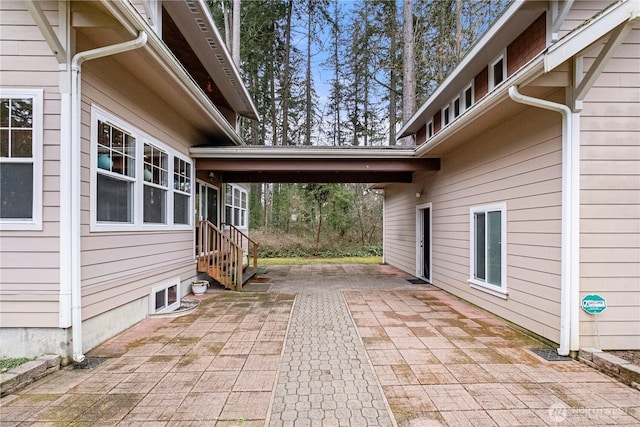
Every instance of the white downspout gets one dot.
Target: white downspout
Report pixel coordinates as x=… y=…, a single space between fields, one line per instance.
x=569 y=286
x=75 y=176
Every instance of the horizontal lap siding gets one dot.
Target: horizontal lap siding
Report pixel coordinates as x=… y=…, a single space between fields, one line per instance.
x=580 y=12
x=400 y=226
x=120 y=267
x=610 y=200
x=29 y=260
x=519 y=163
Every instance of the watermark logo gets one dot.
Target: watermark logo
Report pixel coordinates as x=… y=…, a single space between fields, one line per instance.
x=558 y=412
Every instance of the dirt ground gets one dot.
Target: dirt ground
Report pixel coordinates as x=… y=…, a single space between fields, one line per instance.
x=632 y=356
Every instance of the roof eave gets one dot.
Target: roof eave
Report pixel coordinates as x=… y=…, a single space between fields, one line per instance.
x=531 y=71
x=576 y=41
x=409 y=128
x=131 y=20
x=293 y=152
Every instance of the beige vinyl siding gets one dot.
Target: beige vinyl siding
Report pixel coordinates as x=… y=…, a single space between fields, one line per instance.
x=518 y=162
x=582 y=11
x=400 y=226
x=29 y=260
x=120 y=267
x=610 y=200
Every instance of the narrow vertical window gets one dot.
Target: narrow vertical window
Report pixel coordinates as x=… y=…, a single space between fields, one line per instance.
x=497 y=72
x=20 y=159
x=181 y=191
x=429 y=130
x=488 y=248
x=456 y=107
x=115 y=174
x=156 y=164
x=236 y=202
x=446 y=116
x=468 y=97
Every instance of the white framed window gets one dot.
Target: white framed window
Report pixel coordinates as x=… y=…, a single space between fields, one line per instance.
x=181 y=191
x=235 y=201
x=165 y=297
x=497 y=71
x=115 y=174
x=446 y=115
x=155 y=185
x=457 y=107
x=430 y=129
x=467 y=96
x=488 y=255
x=21 y=124
x=153 y=9
x=131 y=175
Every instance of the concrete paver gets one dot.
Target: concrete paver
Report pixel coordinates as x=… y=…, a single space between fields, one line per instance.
x=325 y=345
x=325 y=377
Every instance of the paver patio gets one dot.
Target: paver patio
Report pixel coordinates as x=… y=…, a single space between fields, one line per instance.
x=325 y=345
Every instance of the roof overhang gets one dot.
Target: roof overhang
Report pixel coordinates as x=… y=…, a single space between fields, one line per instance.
x=544 y=74
x=208 y=46
x=515 y=19
x=156 y=65
x=312 y=164
x=583 y=37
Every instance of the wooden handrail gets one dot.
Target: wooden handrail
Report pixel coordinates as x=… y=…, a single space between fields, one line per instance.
x=219 y=256
x=239 y=238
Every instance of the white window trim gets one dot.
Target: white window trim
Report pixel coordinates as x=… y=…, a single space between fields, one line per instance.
x=460 y=97
x=499 y=291
x=502 y=56
x=153 y=9
x=232 y=187
x=430 y=123
x=163 y=287
x=444 y=121
x=465 y=107
x=453 y=107
x=35 y=223
x=138 y=224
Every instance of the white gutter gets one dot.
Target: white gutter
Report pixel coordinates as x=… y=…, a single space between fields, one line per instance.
x=74 y=176
x=569 y=279
x=294 y=152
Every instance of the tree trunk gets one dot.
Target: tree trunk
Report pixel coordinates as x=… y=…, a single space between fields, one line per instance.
x=235 y=38
x=286 y=84
x=308 y=83
x=409 y=74
x=393 y=46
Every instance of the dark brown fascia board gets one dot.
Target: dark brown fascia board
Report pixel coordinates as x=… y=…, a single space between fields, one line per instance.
x=316 y=177
x=319 y=165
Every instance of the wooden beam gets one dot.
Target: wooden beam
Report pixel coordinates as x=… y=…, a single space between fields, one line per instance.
x=318 y=165
x=302 y=176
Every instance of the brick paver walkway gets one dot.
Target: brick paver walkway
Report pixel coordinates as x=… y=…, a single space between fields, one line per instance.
x=325 y=345
x=325 y=376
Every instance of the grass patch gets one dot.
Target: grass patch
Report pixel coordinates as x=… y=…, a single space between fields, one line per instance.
x=338 y=260
x=7 y=364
